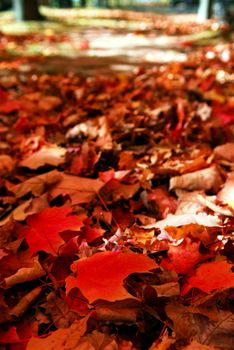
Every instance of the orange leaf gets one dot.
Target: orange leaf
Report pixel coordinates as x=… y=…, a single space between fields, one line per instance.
x=43 y=229
x=101 y=276
x=61 y=339
x=210 y=276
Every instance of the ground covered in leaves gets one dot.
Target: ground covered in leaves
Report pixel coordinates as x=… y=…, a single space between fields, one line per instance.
x=116 y=206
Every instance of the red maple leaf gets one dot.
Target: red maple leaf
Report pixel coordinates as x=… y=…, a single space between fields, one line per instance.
x=44 y=228
x=183 y=257
x=101 y=276
x=9 y=336
x=210 y=276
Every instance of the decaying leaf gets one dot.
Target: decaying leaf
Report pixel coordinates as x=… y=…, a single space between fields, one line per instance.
x=62 y=339
x=25 y=274
x=47 y=155
x=192 y=325
x=124 y=311
x=186 y=219
x=208 y=179
x=37 y=184
x=19 y=309
x=79 y=189
x=59 y=311
x=97 y=341
x=226 y=195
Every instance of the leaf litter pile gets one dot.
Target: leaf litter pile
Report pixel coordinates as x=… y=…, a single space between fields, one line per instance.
x=117 y=204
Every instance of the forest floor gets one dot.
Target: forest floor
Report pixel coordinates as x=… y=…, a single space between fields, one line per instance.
x=117 y=185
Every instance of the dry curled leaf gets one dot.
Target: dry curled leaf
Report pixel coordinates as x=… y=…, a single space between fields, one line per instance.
x=208 y=179
x=47 y=155
x=25 y=274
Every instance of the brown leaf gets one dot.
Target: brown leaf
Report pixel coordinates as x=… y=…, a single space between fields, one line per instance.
x=37 y=184
x=47 y=155
x=25 y=302
x=119 y=311
x=189 y=325
x=62 y=339
x=167 y=289
x=97 y=341
x=206 y=179
x=225 y=151
x=59 y=311
x=80 y=189
x=25 y=274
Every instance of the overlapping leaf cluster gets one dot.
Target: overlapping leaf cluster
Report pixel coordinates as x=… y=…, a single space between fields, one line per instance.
x=117 y=202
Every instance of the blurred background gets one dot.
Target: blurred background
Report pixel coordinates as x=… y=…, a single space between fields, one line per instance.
x=219 y=8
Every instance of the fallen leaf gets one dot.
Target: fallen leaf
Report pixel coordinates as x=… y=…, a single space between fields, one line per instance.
x=185 y=219
x=114 y=267
x=124 y=311
x=197 y=346
x=9 y=336
x=25 y=274
x=115 y=190
x=163 y=343
x=225 y=151
x=47 y=103
x=47 y=155
x=59 y=311
x=183 y=257
x=80 y=189
x=62 y=339
x=36 y=184
x=226 y=195
x=210 y=276
x=165 y=203
x=44 y=228
x=188 y=202
x=10 y=106
x=206 y=179
x=190 y=324
x=6 y=164
x=97 y=341
x=25 y=302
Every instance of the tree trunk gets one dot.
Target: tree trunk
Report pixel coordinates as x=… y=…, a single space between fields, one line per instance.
x=83 y=3
x=102 y=3
x=27 y=10
x=204 y=10
x=65 y=3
